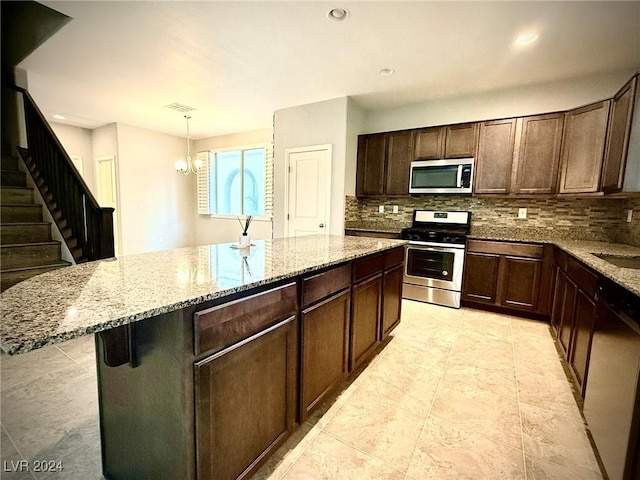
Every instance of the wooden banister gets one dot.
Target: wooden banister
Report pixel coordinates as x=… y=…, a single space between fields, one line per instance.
x=72 y=205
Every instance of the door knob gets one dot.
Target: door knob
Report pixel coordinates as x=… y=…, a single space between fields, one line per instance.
x=321 y=225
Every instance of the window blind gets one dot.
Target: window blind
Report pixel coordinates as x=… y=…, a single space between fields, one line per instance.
x=268 y=176
x=203 y=183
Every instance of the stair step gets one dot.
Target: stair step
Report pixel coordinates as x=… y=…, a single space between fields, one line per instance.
x=9 y=278
x=9 y=163
x=9 y=178
x=29 y=255
x=20 y=213
x=17 y=233
x=13 y=195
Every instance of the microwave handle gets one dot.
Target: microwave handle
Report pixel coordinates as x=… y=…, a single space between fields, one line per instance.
x=459 y=185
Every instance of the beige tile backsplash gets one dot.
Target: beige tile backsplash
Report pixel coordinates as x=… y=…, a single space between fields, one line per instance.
x=599 y=219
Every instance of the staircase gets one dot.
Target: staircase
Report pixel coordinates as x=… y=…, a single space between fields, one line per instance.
x=26 y=247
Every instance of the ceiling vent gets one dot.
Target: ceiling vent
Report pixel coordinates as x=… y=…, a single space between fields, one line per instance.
x=178 y=107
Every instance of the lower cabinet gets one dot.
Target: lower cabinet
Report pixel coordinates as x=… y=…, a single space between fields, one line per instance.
x=365 y=319
x=324 y=349
x=391 y=299
x=505 y=275
x=574 y=312
x=245 y=402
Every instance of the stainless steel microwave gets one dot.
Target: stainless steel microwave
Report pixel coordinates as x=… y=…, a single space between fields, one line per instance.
x=441 y=176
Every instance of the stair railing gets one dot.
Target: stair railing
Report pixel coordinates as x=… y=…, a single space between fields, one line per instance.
x=90 y=224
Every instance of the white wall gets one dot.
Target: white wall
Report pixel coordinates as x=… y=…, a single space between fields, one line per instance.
x=209 y=229
x=156 y=204
x=307 y=125
x=78 y=141
x=527 y=100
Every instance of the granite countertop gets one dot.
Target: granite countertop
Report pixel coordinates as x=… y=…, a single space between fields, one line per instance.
x=82 y=299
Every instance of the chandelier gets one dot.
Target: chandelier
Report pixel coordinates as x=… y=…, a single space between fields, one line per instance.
x=185 y=167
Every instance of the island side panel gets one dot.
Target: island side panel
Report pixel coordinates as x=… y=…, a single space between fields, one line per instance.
x=146 y=412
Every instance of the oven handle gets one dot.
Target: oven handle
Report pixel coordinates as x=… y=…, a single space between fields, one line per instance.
x=459 y=176
x=455 y=251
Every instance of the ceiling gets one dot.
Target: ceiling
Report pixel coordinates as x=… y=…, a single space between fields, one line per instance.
x=237 y=62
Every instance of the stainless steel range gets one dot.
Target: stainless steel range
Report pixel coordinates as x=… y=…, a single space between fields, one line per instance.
x=434 y=257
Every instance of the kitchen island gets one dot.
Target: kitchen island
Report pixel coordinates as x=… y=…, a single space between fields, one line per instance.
x=209 y=357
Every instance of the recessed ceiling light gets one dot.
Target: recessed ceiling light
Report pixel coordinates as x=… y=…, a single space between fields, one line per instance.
x=59 y=117
x=338 y=14
x=386 y=72
x=526 y=38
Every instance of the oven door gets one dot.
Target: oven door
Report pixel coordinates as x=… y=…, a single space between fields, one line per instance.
x=434 y=266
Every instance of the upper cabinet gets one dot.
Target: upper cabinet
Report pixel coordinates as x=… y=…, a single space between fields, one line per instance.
x=618 y=140
x=583 y=143
x=452 y=141
x=383 y=163
x=538 y=154
x=495 y=156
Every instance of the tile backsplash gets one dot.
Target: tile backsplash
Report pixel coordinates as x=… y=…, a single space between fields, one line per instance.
x=599 y=219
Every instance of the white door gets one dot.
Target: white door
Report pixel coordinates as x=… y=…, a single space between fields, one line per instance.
x=308 y=190
x=107 y=196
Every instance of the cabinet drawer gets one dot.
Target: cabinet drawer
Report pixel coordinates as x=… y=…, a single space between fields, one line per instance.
x=368 y=266
x=324 y=284
x=584 y=277
x=226 y=324
x=393 y=257
x=530 y=250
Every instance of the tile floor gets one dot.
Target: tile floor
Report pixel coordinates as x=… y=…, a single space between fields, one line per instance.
x=456 y=394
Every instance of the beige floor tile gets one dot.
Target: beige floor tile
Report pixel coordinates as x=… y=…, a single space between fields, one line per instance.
x=548 y=392
x=328 y=458
x=26 y=367
x=501 y=381
x=555 y=438
x=448 y=451
x=495 y=327
x=538 y=469
x=480 y=411
x=288 y=453
x=482 y=352
x=378 y=426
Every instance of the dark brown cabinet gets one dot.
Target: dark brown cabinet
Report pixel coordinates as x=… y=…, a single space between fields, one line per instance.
x=248 y=387
x=504 y=274
x=495 y=156
x=615 y=158
x=372 y=155
x=324 y=342
x=450 y=141
x=538 y=154
x=583 y=144
x=383 y=166
x=574 y=312
x=366 y=303
x=391 y=291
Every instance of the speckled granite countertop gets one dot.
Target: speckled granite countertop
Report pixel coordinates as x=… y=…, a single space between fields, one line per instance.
x=71 y=302
x=583 y=250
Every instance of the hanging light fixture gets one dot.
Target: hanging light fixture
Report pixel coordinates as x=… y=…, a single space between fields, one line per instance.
x=186 y=167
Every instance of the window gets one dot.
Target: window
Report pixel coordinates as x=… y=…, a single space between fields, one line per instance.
x=236 y=181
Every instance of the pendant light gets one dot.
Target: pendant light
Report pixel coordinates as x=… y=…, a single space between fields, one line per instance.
x=186 y=167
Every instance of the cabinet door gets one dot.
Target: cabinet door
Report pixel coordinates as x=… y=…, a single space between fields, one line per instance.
x=539 y=154
x=615 y=157
x=520 y=282
x=566 y=319
x=480 y=277
x=365 y=319
x=391 y=300
x=372 y=154
x=560 y=286
x=495 y=156
x=325 y=334
x=428 y=143
x=583 y=145
x=460 y=140
x=585 y=317
x=245 y=402
x=400 y=152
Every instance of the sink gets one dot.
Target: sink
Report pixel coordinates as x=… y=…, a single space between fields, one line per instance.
x=620 y=261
